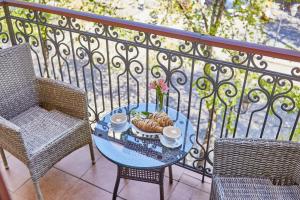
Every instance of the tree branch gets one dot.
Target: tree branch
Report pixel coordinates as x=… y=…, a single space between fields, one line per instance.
x=205 y=21
x=187 y=17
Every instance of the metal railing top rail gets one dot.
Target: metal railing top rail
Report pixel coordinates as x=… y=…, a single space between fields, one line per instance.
x=163 y=31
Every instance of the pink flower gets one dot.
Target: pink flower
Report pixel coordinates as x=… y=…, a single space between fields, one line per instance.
x=165 y=88
x=152 y=85
x=159 y=84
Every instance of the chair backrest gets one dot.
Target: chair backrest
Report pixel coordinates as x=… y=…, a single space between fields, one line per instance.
x=276 y=160
x=17 y=81
x=297 y=171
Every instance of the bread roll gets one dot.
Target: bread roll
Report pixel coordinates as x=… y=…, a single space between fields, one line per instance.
x=147 y=125
x=161 y=118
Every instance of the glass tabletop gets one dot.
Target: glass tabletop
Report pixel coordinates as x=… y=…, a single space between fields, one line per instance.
x=126 y=149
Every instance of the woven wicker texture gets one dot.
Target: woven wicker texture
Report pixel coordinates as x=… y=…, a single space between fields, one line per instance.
x=17 y=88
x=297 y=173
x=39 y=136
x=151 y=176
x=12 y=140
x=258 y=160
x=63 y=97
x=40 y=127
x=252 y=188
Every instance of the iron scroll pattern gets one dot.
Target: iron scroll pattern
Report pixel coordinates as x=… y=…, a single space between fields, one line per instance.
x=4 y=37
x=116 y=65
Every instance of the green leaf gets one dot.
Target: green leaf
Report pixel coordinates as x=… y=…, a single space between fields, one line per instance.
x=146 y=114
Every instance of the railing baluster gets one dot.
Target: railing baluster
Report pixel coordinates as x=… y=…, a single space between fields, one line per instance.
x=147 y=35
x=42 y=43
x=9 y=25
x=168 y=79
x=108 y=67
x=58 y=53
x=191 y=80
x=89 y=40
x=73 y=53
x=127 y=72
x=268 y=108
x=242 y=95
x=295 y=125
x=210 y=124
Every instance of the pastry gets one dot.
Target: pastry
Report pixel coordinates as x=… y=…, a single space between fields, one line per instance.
x=147 y=125
x=161 y=118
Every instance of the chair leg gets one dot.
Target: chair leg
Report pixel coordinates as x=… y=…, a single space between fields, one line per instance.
x=39 y=195
x=4 y=158
x=170 y=174
x=92 y=153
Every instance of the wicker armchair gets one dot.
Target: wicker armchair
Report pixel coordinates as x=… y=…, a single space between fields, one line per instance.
x=255 y=169
x=41 y=120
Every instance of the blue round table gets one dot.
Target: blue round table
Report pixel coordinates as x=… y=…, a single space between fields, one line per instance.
x=138 y=158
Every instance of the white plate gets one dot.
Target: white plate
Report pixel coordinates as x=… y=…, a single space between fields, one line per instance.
x=120 y=129
x=163 y=141
x=144 y=134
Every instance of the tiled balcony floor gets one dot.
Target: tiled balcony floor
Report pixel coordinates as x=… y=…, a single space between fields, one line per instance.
x=75 y=178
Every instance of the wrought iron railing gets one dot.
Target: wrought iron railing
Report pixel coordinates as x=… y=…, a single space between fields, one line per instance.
x=226 y=88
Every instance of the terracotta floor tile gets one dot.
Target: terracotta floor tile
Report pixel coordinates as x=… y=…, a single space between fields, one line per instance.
x=16 y=175
x=194 y=182
x=200 y=195
x=78 y=162
x=197 y=175
x=83 y=190
x=136 y=190
x=177 y=172
x=182 y=192
x=185 y=192
x=16 y=197
x=103 y=174
x=208 y=180
x=53 y=185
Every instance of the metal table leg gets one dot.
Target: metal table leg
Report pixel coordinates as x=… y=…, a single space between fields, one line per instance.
x=161 y=190
x=170 y=175
x=115 y=194
x=161 y=184
x=155 y=176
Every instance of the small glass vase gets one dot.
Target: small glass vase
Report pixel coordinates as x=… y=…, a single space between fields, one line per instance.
x=160 y=102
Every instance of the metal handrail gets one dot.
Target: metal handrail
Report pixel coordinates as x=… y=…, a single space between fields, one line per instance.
x=241 y=46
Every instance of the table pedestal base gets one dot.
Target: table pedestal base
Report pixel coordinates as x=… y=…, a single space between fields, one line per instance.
x=155 y=176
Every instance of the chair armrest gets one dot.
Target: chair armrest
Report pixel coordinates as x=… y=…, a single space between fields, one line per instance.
x=11 y=139
x=297 y=173
x=63 y=97
x=257 y=158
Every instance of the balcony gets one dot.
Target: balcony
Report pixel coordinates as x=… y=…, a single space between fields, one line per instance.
x=226 y=88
